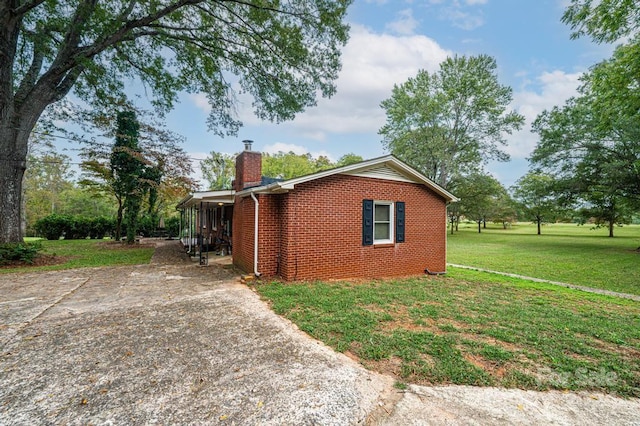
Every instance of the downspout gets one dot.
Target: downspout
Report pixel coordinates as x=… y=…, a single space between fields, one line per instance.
x=255 y=236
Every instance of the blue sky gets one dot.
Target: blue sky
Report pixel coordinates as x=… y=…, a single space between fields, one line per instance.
x=390 y=41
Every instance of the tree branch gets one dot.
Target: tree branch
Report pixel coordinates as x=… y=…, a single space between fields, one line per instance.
x=26 y=7
x=61 y=90
x=30 y=78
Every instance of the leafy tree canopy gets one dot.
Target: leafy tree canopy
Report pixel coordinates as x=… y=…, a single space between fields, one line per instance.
x=288 y=165
x=603 y=20
x=536 y=194
x=218 y=170
x=282 y=53
x=450 y=122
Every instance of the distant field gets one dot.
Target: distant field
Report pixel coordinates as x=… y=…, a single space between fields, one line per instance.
x=564 y=252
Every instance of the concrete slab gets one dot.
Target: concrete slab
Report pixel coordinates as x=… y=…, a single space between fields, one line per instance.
x=175 y=343
x=153 y=345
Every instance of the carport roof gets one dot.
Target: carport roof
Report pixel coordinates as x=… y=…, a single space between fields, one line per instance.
x=223 y=197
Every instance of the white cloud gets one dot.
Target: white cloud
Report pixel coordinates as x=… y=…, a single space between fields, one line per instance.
x=462 y=19
x=404 y=24
x=285 y=147
x=553 y=89
x=371 y=65
x=197 y=170
x=200 y=101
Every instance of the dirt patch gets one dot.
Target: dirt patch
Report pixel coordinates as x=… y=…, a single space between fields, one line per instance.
x=122 y=245
x=40 y=260
x=493 y=368
x=391 y=366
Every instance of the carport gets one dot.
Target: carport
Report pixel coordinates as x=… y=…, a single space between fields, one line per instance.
x=206 y=219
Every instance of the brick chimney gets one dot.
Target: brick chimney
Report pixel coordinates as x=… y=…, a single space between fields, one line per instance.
x=248 y=168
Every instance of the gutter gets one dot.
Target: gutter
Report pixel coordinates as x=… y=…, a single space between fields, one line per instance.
x=255 y=236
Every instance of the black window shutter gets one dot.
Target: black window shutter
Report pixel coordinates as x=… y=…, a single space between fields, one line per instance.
x=367 y=222
x=399 y=221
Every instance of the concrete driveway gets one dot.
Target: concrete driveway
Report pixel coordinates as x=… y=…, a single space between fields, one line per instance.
x=180 y=344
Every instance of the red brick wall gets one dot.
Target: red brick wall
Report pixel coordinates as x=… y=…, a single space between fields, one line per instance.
x=268 y=233
x=321 y=231
x=242 y=233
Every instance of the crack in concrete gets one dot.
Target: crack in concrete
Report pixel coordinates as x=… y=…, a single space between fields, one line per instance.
x=30 y=321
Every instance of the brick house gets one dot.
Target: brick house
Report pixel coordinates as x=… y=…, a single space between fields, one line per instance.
x=377 y=218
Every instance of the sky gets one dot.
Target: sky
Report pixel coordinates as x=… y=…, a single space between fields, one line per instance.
x=390 y=41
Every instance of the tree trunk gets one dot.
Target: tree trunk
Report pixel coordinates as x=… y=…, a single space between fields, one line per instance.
x=611 y=225
x=13 y=156
x=480 y=227
x=119 y=221
x=538 y=222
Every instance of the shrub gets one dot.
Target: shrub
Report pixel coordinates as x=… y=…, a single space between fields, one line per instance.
x=99 y=227
x=172 y=226
x=146 y=226
x=79 y=228
x=54 y=226
x=24 y=252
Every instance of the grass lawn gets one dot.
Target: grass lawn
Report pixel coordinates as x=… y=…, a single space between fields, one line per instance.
x=564 y=252
x=473 y=328
x=70 y=254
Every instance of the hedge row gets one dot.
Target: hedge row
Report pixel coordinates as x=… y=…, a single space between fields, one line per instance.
x=55 y=226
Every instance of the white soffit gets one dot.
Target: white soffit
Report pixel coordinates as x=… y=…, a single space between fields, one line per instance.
x=383 y=171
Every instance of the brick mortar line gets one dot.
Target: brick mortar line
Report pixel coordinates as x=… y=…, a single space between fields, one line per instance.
x=558 y=283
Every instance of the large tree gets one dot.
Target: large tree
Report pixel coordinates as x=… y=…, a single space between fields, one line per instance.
x=288 y=165
x=450 y=122
x=218 y=170
x=536 y=194
x=167 y=165
x=590 y=145
x=129 y=174
x=282 y=52
x=481 y=197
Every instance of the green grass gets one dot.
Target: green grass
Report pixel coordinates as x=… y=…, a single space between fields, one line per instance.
x=564 y=252
x=473 y=328
x=88 y=253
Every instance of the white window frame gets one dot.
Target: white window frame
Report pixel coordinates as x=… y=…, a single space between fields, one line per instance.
x=389 y=240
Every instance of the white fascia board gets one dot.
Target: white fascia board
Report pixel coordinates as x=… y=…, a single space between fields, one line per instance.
x=225 y=196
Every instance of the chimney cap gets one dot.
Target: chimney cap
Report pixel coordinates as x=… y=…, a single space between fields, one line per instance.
x=247 y=144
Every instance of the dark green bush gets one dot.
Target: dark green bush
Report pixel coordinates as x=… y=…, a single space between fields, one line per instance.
x=79 y=228
x=25 y=252
x=54 y=226
x=101 y=227
x=172 y=226
x=146 y=226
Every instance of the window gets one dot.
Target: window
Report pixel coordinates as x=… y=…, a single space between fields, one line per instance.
x=382 y=222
